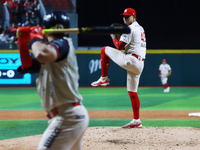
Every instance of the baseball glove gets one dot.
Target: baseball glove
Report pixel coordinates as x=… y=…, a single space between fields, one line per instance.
x=168 y=75
x=117 y=36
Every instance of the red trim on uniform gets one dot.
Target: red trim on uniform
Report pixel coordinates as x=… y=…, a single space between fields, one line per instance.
x=137 y=56
x=55 y=110
x=56 y=50
x=166 y=85
x=159 y=72
x=76 y=104
x=26 y=59
x=105 y=62
x=119 y=44
x=135 y=101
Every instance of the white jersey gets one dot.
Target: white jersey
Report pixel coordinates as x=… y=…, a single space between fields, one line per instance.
x=57 y=83
x=136 y=40
x=164 y=69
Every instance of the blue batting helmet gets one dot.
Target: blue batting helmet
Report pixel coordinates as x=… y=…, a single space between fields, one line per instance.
x=56 y=19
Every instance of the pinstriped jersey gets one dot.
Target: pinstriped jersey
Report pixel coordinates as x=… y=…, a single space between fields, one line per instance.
x=57 y=82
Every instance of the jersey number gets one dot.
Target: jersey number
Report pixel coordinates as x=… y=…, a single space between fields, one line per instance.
x=143 y=38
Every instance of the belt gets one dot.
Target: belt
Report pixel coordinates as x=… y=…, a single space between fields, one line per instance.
x=54 y=111
x=139 y=58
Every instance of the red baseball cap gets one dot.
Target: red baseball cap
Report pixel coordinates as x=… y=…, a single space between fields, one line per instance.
x=164 y=60
x=129 y=12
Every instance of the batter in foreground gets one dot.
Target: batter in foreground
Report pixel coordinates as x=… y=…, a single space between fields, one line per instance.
x=57 y=83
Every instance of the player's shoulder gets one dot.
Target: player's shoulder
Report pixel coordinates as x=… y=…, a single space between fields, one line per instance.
x=136 y=26
x=161 y=64
x=168 y=65
x=59 y=42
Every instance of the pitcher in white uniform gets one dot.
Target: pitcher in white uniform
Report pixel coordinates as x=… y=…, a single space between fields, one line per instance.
x=164 y=73
x=57 y=84
x=131 y=60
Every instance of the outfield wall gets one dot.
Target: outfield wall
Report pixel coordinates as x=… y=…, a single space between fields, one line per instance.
x=185 y=66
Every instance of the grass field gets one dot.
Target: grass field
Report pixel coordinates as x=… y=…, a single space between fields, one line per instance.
x=100 y=99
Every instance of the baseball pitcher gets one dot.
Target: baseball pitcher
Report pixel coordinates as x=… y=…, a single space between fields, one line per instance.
x=132 y=60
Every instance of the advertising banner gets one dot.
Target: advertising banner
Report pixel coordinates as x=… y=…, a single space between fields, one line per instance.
x=185 y=69
x=9 y=62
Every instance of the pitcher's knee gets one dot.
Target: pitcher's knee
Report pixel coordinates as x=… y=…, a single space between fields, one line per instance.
x=103 y=49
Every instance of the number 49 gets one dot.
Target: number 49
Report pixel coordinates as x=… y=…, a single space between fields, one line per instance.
x=143 y=38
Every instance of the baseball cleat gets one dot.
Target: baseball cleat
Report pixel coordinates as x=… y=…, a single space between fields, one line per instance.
x=166 y=90
x=135 y=123
x=103 y=81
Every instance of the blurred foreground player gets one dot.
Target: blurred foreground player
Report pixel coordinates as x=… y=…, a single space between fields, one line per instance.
x=57 y=83
x=165 y=72
x=131 y=60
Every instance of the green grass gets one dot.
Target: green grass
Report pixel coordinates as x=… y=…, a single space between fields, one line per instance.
x=100 y=99
x=22 y=128
x=19 y=99
x=109 y=99
x=150 y=99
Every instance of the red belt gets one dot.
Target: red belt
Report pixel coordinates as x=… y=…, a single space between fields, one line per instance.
x=139 y=58
x=55 y=111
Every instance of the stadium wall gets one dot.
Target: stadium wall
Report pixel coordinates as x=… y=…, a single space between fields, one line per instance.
x=184 y=63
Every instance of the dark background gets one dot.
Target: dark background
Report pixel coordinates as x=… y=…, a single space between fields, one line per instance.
x=172 y=24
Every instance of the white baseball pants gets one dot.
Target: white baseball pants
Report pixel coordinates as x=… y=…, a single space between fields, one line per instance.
x=65 y=131
x=163 y=79
x=130 y=63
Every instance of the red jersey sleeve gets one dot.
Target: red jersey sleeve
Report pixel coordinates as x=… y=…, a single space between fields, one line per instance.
x=119 y=44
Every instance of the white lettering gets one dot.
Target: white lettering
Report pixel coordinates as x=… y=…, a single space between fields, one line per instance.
x=94 y=65
x=10 y=73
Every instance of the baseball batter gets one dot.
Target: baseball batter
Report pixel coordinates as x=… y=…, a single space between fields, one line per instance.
x=131 y=60
x=164 y=72
x=57 y=83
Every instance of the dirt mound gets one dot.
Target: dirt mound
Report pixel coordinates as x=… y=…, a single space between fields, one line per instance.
x=117 y=138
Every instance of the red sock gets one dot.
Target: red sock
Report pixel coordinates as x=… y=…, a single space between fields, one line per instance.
x=105 y=61
x=165 y=85
x=26 y=59
x=135 y=101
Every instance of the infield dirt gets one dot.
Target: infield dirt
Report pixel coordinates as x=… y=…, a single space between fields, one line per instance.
x=116 y=138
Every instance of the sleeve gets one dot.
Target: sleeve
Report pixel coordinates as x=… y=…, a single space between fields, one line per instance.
x=62 y=48
x=159 y=68
x=34 y=68
x=169 y=68
x=126 y=38
x=119 y=44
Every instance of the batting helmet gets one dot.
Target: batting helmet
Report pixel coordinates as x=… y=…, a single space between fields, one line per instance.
x=164 y=60
x=56 y=19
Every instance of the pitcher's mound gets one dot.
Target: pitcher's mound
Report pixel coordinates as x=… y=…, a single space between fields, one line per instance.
x=117 y=138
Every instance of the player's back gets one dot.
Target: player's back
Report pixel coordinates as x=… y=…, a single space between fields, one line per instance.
x=58 y=81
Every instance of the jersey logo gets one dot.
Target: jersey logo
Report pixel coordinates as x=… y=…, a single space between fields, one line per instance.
x=143 y=37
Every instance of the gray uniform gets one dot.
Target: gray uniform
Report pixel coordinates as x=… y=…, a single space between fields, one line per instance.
x=57 y=86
